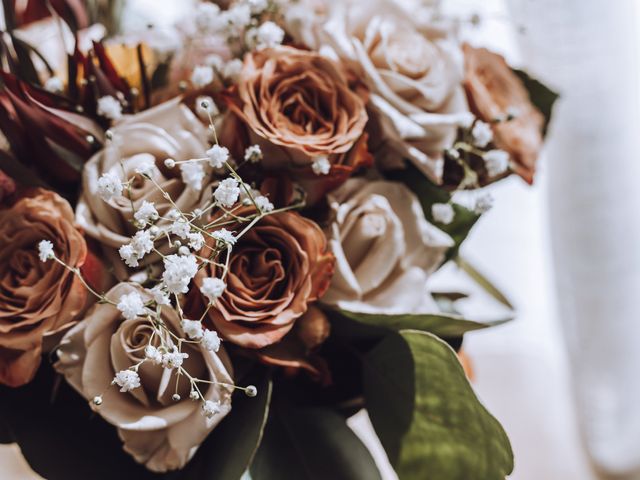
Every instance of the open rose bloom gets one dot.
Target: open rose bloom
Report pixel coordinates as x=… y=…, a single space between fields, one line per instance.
x=235 y=238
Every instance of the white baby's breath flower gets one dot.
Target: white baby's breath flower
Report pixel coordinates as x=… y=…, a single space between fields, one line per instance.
x=131 y=305
x=146 y=166
x=217 y=156
x=109 y=186
x=232 y=69
x=45 y=250
x=443 y=213
x=192 y=329
x=227 y=192
x=263 y=203
x=109 y=107
x=127 y=380
x=253 y=154
x=196 y=241
x=215 y=61
x=173 y=359
x=54 y=85
x=205 y=106
x=483 y=204
x=321 y=165
x=178 y=272
x=239 y=15
x=267 y=35
x=225 y=236
x=173 y=214
x=142 y=243
x=192 y=174
x=482 y=134
x=129 y=255
x=207 y=17
x=147 y=213
x=159 y=295
x=210 y=409
x=212 y=288
x=257 y=6
x=153 y=354
x=181 y=228
x=496 y=161
x=211 y=340
x=202 y=75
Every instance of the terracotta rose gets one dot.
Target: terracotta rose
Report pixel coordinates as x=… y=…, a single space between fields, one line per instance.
x=276 y=270
x=494 y=91
x=299 y=107
x=36 y=298
x=157 y=431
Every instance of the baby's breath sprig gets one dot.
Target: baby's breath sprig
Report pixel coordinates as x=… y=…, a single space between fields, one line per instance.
x=185 y=242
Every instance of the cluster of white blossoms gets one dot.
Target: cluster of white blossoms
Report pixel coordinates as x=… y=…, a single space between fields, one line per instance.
x=245 y=25
x=185 y=242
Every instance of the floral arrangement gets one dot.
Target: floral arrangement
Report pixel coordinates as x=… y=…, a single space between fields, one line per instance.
x=217 y=241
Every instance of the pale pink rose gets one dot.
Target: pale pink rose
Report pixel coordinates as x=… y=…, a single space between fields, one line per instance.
x=156 y=431
x=169 y=130
x=414 y=74
x=385 y=249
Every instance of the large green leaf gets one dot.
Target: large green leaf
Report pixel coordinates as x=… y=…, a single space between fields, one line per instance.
x=429 y=193
x=427 y=415
x=441 y=325
x=310 y=443
x=541 y=96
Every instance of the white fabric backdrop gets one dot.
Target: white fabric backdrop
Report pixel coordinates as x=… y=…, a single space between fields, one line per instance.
x=589 y=49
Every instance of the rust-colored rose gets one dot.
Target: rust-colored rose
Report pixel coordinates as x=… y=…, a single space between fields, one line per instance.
x=300 y=107
x=36 y=298
x=494 y=92
x=276 y=270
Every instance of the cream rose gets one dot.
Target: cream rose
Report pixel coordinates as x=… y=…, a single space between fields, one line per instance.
x=157 y=431
x=169 y=130
x=415 y=77
x=385 y=249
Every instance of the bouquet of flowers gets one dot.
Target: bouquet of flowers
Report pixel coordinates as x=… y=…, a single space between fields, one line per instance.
x=217 y=240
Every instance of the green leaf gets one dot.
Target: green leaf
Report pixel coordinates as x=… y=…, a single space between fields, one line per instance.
x=441 y=325
x=429 y=193
x=310 y=443
x=541 y=96
x=228 y=451
x=427 y=415
x=483 y=282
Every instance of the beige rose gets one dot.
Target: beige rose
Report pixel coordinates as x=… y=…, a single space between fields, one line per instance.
x=414 y=74
x=157 y=431
x=169 y=130
x=36 y=298
x=385 y=249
